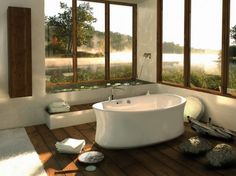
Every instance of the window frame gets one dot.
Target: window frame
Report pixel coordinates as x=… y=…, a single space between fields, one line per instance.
x=107 y=44
x=187 y=48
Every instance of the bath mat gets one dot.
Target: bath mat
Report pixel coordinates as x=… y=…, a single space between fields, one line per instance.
x=17 y=154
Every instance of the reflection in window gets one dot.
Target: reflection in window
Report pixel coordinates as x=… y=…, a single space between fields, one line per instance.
x=206 y=32
x=121 y=41
x=91 y=41
x=232 y=49
x=58 y=41
x=173 y=41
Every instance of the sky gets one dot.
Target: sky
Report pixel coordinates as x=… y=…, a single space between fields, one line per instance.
x=205 y=23
x=120 y=16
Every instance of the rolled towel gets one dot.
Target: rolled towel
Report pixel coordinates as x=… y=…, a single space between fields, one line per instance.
x=58 y=103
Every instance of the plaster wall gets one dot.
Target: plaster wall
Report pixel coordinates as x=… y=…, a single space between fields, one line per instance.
x=19 y=112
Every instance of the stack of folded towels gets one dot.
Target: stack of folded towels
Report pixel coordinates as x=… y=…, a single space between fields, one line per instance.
x=58 y=106
x=70 y=145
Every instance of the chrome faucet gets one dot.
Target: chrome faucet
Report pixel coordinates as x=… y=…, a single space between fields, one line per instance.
x=111 y=97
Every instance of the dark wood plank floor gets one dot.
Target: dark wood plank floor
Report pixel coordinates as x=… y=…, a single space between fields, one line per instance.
x=162 y=159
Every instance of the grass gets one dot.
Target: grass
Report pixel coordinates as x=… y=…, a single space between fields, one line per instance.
x=199 y=78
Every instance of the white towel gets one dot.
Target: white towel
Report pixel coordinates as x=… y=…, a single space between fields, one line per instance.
x=58 y=104
x=60 y=109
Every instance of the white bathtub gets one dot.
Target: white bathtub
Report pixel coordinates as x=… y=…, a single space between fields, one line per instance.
x=139 y=121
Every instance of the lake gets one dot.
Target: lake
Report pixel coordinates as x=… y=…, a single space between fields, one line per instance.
x=209 y=62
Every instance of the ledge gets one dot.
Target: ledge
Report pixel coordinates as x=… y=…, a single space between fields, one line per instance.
x=78 y=114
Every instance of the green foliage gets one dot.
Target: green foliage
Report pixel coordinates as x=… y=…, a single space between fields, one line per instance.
x=85 y=19
x=89 y=74
x=120 y=42
x=172 y=48
x=232 y=76
x=174 y=75
x=232 y=53
x=233 y=33
x=200 y=79
x=121 y=71
x=59 y=27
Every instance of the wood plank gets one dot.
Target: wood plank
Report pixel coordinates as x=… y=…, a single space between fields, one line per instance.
x=89 y=132
x=50 y=164
x=152 y=164
x=176 y=166
x=74 y=133
x=107 y=166
x=63 y=160
x=161 y=160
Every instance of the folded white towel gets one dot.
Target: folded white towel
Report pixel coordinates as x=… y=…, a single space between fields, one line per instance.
x=70 y=145
x=59 y=103
x=61 y=109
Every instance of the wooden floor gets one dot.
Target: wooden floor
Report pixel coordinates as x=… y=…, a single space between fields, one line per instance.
x=160 y=160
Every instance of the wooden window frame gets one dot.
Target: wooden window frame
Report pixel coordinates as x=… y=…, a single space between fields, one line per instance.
x=107 y=44
x=187 y=48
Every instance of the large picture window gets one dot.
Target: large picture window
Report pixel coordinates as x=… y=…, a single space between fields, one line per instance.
x=232 y=50
x=87 y=41
x=208 y=42
x=173 y=50
x=206 y=32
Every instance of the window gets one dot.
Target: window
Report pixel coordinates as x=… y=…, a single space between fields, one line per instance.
x=232 y=50
x=121 y=41
x=172 y=46
x=208 y=42
x=206 y=31
x=58 y=42
x=88 y=41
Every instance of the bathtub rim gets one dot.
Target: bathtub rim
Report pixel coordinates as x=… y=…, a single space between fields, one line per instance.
x=183 y=101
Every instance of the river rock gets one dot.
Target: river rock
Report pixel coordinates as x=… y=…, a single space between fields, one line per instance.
x=221 y=155
x=195 y=145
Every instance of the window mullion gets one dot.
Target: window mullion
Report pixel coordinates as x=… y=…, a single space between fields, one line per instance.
x=225 y=46
x=74 y=37
x=187 y=40
x=134 y=47
x=159 y=40
x=107 y=41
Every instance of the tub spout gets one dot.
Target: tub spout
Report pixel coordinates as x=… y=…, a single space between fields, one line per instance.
x=111 y=97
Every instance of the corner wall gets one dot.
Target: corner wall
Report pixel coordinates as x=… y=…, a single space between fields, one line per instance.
x=221 y=109
x=20 y=112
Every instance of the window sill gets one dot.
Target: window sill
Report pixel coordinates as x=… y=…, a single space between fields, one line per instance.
x=214 y=92
x=70 y=87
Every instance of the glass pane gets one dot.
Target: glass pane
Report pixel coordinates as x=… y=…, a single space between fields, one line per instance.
x=91 y=41
x=232 y=50
x=121 y=20
x=173 y=57
x=58 y=41
x=206 y=32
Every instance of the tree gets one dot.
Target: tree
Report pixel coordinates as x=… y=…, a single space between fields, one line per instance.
x=60 y=27
x=232 y=48
x=233 y=33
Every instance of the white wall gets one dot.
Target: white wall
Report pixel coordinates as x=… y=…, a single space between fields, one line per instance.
x=27 y=111
x=147 y=39
x=30 y=110
x=221 y=109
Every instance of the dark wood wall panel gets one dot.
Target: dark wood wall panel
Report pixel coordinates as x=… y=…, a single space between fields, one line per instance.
x=19 y=52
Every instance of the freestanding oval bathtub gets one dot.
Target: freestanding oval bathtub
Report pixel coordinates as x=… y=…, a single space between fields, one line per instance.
x=139 y=121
